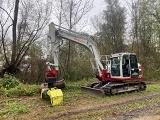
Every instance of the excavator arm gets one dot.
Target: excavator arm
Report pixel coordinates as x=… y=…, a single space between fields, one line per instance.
x=55 y=38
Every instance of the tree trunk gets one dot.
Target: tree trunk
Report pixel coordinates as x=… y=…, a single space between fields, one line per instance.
x=69 y=44
x=12 y=67
x=14 y=36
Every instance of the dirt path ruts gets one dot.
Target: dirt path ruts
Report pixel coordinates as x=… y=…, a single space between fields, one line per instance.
x=151 y=112
x=101 y=106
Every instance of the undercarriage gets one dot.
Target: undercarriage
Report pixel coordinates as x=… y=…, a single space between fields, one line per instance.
x=102 y=89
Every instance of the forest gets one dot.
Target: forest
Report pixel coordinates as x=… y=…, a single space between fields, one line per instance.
x=24 y=27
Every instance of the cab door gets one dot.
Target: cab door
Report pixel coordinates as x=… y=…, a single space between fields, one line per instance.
x=134 y=71
x=115 y=67
x=126 y=65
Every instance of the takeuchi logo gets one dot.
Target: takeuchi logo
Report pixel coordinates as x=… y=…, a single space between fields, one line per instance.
x=79 y=40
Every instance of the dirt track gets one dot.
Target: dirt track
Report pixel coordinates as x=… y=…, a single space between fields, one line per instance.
x=148 y=112
x=132 y=106
x=151 y=112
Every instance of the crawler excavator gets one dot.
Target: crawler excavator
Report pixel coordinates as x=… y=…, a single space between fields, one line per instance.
x=117 y=73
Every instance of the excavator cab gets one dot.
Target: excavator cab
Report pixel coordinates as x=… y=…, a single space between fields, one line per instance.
x=123 y=74
x=124 y=65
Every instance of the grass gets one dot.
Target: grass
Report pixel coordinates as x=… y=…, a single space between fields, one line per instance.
x=72 y=89
x=153 y=87
x=9 y=108
x=73 y=96
x=23 y=99
x=15 y=107
x=127 y=107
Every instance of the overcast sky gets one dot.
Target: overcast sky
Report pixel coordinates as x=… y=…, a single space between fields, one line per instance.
x=97 y=10
x=98 y=7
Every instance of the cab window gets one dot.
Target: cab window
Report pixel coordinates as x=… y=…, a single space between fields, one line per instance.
x=133 y=60
x=115 y=66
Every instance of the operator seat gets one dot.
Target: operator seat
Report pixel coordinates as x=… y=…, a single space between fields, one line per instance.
x=126 y=68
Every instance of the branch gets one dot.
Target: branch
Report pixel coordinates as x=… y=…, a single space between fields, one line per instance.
x=155 y=16
x=7 y=30
x=65 y=16
x=20 y=60
x=3 y=44
x=7 y=18
x=77 y=9
x=84 y=10
x=35 y=29
x=30 y=40
x=6 y=13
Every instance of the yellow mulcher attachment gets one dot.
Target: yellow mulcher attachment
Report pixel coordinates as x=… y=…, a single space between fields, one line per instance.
x=55 y=95
x=50 y=91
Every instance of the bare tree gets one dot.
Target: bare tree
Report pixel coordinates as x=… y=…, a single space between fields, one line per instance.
x=70 y=13
x=28 y=23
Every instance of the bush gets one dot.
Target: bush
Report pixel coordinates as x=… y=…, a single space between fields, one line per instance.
x=9 y=82
x=11 y=86
x=23 y=90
